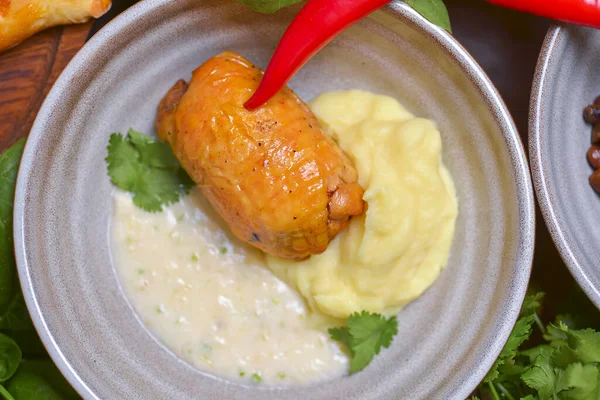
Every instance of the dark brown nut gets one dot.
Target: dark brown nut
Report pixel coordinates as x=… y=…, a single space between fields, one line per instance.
x=595 y=181
x=597 y=101
x=593 y=156
x=596 y=134
x=592 y=113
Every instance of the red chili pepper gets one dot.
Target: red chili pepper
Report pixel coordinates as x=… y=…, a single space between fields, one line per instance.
x=314 y=26
x=582 y=12
x=321 y=20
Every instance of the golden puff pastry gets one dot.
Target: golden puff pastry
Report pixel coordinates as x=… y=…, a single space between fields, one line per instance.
x=20 y=19
x=279 y=182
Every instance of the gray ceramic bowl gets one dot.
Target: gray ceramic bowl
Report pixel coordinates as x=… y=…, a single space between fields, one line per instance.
x=567 y=79
x=447 y=339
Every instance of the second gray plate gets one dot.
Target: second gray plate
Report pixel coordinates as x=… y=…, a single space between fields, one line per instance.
x=566 y=81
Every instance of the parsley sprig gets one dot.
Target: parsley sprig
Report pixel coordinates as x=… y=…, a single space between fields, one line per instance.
x=148 y=169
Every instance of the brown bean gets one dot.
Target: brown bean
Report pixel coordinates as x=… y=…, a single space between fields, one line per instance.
x=597 y=101
x=595 y=181
x=593 y=156
x=592 y=113
x=596 y=134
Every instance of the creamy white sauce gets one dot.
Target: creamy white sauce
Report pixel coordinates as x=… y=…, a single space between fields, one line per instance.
x=209 y=298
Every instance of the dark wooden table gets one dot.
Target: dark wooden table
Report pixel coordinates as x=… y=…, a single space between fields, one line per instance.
x=505 y=43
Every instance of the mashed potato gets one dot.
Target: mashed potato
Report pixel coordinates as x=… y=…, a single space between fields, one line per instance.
x=389 y=256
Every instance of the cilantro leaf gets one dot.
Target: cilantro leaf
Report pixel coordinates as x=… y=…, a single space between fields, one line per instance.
x=147 y=168
x=543 y=377
x=433 y=10
x=574 y=346
x=531 y=304
x=566 y=367
x=268 y=6
x=365 y=335
x=153 y=153
x=369 y=332
x=583 y=381
x=519 y=334
x=585 y=344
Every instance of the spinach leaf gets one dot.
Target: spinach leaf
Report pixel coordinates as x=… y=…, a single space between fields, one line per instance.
x=29 y=342
x=433 y=10
x=4 y=394
x=268 y=6
x=40 y=380
x=10 y=357
x=9 y=164
x=29 y=386
x=15 y=316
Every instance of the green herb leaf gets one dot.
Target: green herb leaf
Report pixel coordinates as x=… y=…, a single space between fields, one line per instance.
x=519 y=334
x=543 y=377
x=147 y=168
x=268 y=6
x=10 y=357
x=365 y=335
x=29 y=342
x=369 y=332
x=153 y=153
x=566 y=367
x=342 y=335
x=433 y=10
x=15 y=316
x=9 y=165
x=584 y=343
x=583 y=381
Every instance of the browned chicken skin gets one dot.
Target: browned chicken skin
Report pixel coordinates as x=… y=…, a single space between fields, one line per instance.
x=279 y=182
x=20 y=19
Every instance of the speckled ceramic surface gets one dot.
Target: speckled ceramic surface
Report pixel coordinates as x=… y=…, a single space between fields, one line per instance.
x=447 y=339
x=567 y=79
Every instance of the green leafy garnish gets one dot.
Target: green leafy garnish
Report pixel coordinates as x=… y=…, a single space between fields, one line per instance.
x=364 y=337
x=9 y=164
x=565 y=367
x=256 y=377
x=147 y=168
x=434 y=11
x=520 y=333
x=26 y=372
x=268 y=6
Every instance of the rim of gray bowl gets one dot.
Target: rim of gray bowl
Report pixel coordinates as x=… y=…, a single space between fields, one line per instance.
x=397 y=8
x=537 y=168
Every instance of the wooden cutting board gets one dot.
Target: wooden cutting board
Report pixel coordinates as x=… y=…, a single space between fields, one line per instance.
x=27 y=73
